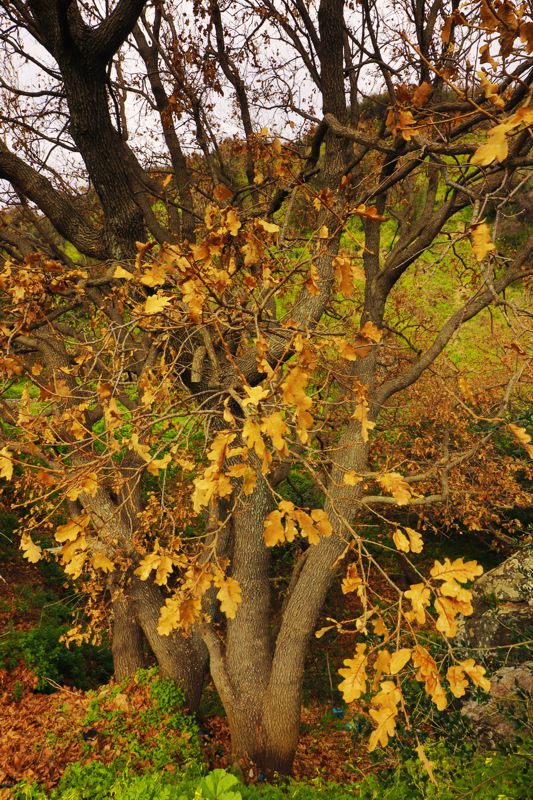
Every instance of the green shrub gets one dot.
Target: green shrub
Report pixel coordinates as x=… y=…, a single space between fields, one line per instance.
x=49 y=659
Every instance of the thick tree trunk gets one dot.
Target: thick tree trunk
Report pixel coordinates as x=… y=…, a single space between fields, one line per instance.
x=127 y=644
x=182 y=658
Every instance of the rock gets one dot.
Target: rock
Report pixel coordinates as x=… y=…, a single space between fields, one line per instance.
x=503 y=609
x=507 y=712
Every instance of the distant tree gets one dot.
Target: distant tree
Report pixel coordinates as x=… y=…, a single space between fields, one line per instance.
x=196 y=305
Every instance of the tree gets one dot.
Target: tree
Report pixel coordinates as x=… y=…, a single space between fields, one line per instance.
x=198 y=326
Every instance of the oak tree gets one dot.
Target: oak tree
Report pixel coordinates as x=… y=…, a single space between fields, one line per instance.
x=224 y=232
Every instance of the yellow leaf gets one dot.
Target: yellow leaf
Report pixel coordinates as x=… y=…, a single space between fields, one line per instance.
x=476 y=673
x=387 y=700
x=274 y=532
x=419 y=595
x=86 y=483
x=457 y=570
x=251 y=433
x=347 y=350
x=448 y=608
x=351 y=478
x=232 y=221
x=30 y=550
x=354 y=674
x=6 y=464
x=101 y=561
x=164 y=568
x=155 y=465
x=427 y=764
x=352 y=582
x=361 y=414
x=394 y=483
x=495 y=148
x=428 y=672
x=306 y=527
x=401 y=541
x=269 y=227
x=482 y=244
x=147 y=564
x=75 y=565
x=456 y=679
x=323 y=232
x=229 y=594
x=155 y=276
x=156 y=303
x=372 y=332
x=385 y=719
x=399 y=659
x=415 y=540
x=68 y=532
x=321 y=519
x=274 y=426
x=120 y=272
x=254 y=395
x=321 y=631
x=522 y=436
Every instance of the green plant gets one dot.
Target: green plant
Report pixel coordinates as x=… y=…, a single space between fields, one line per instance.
x=218 y=785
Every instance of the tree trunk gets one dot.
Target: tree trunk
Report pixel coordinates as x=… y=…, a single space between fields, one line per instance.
x=127 y=644
x=182 y=658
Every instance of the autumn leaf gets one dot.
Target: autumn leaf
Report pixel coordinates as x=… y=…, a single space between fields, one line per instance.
x=522 y=437
x=120 y=272
x=154 y=276
x=222 y=193
x=101 y=561
x=429 y=674
x=269 y=227
x=69 y=531
x=387 y=700
x=394 y=483
x=275 y=428
x=251 y=433
x=482 y=244
x=351 y=478
x=415 y=540
x=427 y=764
x=401 y=541
x=496 y=147
x=419 y=595
x=476 y=673
x=274 y=532
x=361 y=414
x=422 y=94
x=457 y=570
x=156 y=303
x=229 y=594
x=352 y=582
x=233 y=222
x=147 y=564
x=398 y=660
x=354 y=674
x=163 y=570
x=30 y=551
x=254 y=395
x=321 y=520
x=456 y=679
x=6 y=464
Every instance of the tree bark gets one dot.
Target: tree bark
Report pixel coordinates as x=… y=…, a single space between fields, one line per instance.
x=127 y=643
x=182 y=658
